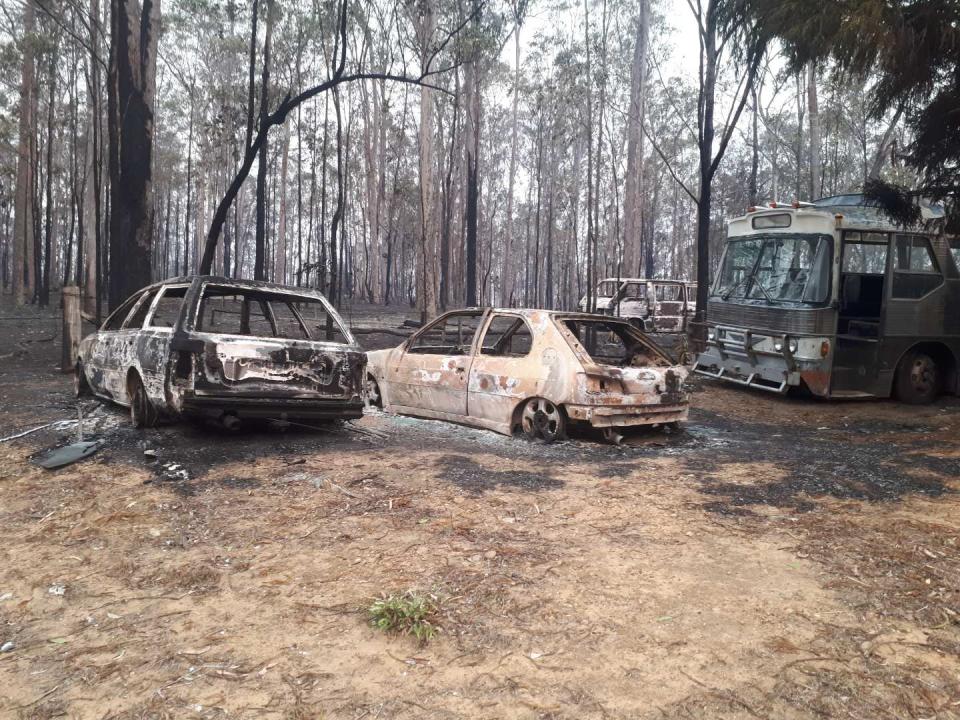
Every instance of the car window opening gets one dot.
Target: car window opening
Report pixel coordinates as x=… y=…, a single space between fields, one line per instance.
x=254 y=313
x=167 y=311
x=507 y=336
x=452 y=335
x=614 y=343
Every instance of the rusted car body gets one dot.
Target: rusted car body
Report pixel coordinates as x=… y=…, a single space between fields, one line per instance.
x=661 y=306
x=226 y=350
x=532 y=370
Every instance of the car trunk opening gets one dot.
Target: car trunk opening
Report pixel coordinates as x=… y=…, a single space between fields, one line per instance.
x=262 y=343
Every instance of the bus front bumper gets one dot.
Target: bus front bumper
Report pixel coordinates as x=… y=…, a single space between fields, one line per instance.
x=766 y=369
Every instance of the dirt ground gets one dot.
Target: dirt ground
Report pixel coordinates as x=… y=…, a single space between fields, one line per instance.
x=779 y=558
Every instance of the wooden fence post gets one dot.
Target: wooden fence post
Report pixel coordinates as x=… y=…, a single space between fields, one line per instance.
x=71 y=327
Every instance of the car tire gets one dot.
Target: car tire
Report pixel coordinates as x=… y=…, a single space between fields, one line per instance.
x=81 y=388
x=919 y=379
x=543 y=420
x=372 y=390
x=142 y=413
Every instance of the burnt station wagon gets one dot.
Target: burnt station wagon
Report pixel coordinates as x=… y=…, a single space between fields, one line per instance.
x=226 y=350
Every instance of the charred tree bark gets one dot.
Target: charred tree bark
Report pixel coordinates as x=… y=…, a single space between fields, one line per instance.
x=472 y=137
x=260 y=251
x=427 y=287
x=754 y=149
x=23 y=270
x=48 y=216
x=132 y=87
x=508 y=269
x=633 y=181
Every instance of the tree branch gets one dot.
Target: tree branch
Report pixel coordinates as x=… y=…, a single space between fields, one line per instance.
x=667 y=164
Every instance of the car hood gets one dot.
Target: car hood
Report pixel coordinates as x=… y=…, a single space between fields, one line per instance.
x=603 y=303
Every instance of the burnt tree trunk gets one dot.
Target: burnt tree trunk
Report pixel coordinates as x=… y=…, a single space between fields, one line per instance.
x=23 y=276
x=130 y=100
x=260 y=259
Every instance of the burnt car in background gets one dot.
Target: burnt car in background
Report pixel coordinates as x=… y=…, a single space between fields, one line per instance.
x=534 y=371
x=226 y=350
x=657 y=306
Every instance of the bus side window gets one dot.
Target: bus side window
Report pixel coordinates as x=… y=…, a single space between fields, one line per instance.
x=955 y=255
x=915 y=272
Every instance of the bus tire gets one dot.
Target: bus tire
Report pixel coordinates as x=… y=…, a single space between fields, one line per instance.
x=919 y=378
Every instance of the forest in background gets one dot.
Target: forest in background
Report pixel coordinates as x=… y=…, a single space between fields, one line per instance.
x=502 y=152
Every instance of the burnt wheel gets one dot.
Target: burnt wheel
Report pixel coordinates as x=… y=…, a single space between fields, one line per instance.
x=81 y=388
x=374 y=398
x=142 y=412
x=542 y=419
x=918 y=378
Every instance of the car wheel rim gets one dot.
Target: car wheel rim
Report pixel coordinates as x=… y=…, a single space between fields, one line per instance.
x=541 y=418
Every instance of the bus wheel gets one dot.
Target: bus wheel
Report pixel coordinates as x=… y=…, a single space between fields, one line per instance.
x=918 y=378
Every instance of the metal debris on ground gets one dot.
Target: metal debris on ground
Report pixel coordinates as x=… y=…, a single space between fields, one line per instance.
x=174 y=472
x=68 y=454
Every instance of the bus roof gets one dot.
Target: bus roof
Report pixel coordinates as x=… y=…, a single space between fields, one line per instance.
x=851 y=211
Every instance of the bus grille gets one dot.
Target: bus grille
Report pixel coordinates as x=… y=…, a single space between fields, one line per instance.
x=819 y=321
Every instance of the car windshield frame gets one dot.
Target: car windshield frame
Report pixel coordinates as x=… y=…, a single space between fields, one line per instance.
x=613 y=286
x=772 y=271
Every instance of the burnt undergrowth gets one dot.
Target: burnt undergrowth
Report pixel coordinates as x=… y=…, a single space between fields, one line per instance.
x=474 y=478
x=816 y=463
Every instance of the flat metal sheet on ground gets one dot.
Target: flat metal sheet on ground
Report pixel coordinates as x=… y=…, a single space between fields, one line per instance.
x=68 y=454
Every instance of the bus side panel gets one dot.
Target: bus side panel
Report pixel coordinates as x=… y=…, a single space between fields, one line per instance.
x=933 y=318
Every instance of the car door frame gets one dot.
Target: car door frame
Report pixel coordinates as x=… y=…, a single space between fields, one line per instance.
x=412 y=376
x=498 y=383
x=152 y=346
x=96 y=365
x=122 y=348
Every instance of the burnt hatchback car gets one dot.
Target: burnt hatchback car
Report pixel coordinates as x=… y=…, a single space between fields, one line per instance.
x=534 y=371
x=226 y=350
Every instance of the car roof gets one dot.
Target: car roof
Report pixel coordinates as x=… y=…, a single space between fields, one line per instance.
x=530 y=312
x=656 y=281
x=234 y=282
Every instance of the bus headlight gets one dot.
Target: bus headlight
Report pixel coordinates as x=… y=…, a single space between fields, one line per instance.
x=711 y=334
x=791 y=344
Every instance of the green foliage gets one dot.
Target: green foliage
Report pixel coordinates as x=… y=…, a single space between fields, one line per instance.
x=410 y=613
x=912 y=50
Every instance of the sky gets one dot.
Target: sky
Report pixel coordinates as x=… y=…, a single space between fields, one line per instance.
x=683 y=43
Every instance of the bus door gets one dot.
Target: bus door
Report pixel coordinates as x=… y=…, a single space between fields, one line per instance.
x=860 y=313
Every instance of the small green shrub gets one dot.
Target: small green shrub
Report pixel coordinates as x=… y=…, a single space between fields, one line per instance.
x=410 y=613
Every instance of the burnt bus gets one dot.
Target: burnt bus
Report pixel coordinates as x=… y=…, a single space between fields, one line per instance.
x=831 y=297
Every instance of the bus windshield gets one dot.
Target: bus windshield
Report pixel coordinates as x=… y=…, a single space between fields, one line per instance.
x=776 y=268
